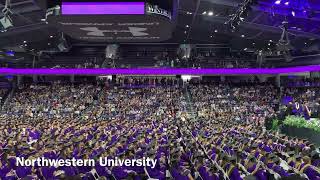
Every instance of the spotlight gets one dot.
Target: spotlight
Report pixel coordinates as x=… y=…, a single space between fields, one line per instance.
x=293 y=13
x=278 y=2
x=287 y=3
x=210 y=13
x=6 y=22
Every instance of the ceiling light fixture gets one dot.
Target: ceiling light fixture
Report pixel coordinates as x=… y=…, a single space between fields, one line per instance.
x=278 y=2
x=241 y=13
x=210 y=13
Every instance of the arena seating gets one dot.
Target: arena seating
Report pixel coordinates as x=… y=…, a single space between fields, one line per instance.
x=195 y=132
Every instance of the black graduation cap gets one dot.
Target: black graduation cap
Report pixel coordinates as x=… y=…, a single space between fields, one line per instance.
x=7 y=148
x=224 y=156
x=298 y=156
x=232 y=158
x=276 y=159
x=282 y=135
x=254 y=145
x=67 y=144
x=314 y=154
x=290 y=153
x=271 y=156
x=151 y=152
x=251 y=158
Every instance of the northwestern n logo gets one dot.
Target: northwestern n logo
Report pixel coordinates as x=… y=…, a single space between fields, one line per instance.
x=135 y=31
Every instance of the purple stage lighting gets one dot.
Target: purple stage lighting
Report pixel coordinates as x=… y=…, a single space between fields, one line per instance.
x=287 y=3
x=278 y=2
x=293 y=13
x=165 y=71
x=100 y=8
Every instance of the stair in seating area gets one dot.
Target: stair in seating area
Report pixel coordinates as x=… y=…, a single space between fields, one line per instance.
x=192 y=114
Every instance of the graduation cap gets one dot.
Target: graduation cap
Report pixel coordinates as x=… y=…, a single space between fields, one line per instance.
x=291 y=153
x=298 y=156
x=314 y=154
x=58 y=173
x=275 y=159
x=271 y=156
x=254 y=145
x=224 y=156
x=151 y=152
x=23 y=147
x=251 y=158
x=77 y=140
x=7 y=148
x=232 y=158
x=123 y=140
x=67 y=144
x=282 y=135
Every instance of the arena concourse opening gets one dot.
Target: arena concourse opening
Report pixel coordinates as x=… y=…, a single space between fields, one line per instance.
x=160 y=90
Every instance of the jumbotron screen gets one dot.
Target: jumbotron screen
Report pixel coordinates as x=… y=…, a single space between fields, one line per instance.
x=81 y=7
x=112 y=7
x=114 y=20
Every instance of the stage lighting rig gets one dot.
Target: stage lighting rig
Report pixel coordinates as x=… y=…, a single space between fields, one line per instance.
x=241 y=13
x=6 y=21
x=283 y=45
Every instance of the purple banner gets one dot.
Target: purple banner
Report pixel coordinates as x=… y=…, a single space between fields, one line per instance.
x=150 y=71
x=100 y=8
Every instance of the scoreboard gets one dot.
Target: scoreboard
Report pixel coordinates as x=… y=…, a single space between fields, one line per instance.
x=114 y=20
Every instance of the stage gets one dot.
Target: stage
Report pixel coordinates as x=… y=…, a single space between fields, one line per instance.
x=302 y=132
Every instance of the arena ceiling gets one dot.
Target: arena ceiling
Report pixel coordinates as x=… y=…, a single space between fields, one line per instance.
x=199 y=22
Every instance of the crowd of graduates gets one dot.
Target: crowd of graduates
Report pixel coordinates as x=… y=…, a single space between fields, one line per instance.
x=225 y=139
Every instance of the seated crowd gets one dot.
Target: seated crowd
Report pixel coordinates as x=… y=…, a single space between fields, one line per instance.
x=225 y=140
x=302 y=101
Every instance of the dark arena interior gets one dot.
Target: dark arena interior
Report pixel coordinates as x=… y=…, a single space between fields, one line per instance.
x=159 y=89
